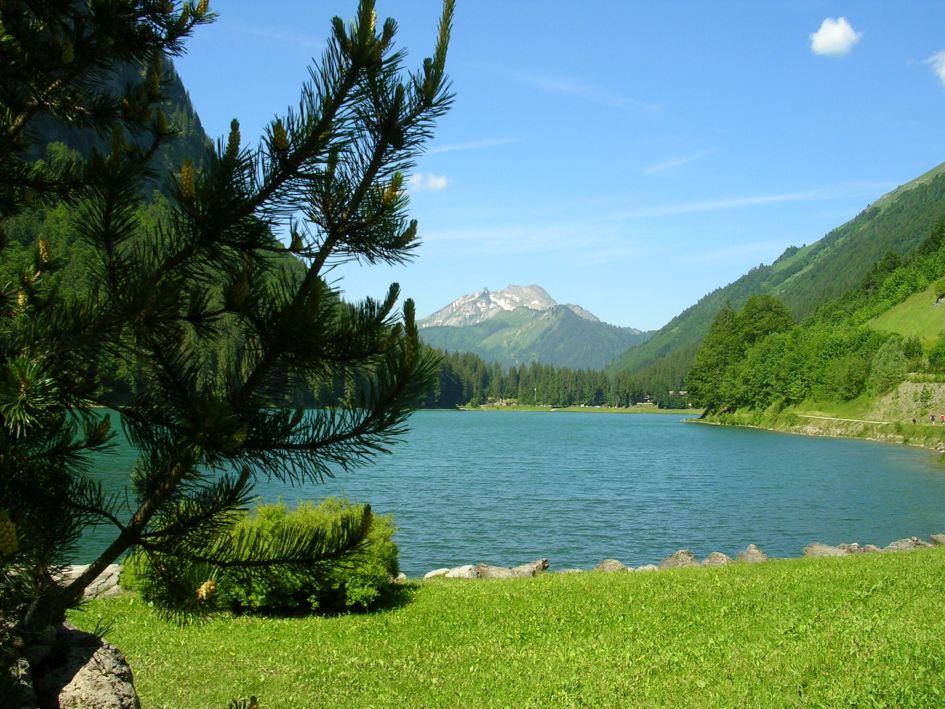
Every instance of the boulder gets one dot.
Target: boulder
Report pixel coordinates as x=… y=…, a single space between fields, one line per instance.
x=531 y=569
x=485 y=571
x=678 y=559
x=752 y=555
x=906 y=544
x=570 y=571
x=104 y=585
x=467 y=571
x=436 y=573
x=717 y=558
x=852 y=548
x=85 y=672
x=870 y=549
x=648 y=567
x=400 y=578
x=610 y=566
x=938 y=540
x=818 y=549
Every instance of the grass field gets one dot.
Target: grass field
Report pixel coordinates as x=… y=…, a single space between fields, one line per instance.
x=917 y=316
x=860 y=631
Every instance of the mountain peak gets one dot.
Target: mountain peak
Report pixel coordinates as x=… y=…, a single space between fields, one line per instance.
x=484 y=304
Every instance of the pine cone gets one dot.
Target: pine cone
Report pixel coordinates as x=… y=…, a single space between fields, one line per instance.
x=206 y=590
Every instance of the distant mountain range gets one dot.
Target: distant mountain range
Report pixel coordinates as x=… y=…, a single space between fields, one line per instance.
x=523 y=324
x=802 y=277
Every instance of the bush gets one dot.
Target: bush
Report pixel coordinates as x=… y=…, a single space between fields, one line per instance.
x=354 y=581
x=937 y=355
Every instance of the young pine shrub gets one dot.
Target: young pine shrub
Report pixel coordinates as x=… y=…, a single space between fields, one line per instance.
x=351 y=581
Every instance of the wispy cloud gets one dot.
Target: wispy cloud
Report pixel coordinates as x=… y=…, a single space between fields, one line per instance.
x=300 y=40
x=603 y=240
x=427 y=182
x=470 y=145
x=582 y=90
x=839 y=191
x=938 y=65
x=672 y=163
x=835 y=37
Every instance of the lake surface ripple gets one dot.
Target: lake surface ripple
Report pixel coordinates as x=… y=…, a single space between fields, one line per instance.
x=509 y=487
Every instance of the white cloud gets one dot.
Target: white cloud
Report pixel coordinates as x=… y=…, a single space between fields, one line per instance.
x=834 y=38
x=675 y=162
x=938 y=65
x=427 y=182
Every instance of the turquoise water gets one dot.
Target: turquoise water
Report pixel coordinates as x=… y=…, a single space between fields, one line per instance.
x=510 y=487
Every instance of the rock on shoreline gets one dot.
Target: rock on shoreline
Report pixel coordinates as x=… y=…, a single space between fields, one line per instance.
x=681 y=559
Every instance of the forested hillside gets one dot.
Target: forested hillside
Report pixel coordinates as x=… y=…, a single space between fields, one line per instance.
x=803 y=278
x=467 y=379
x=73 y=261
x=864 y=344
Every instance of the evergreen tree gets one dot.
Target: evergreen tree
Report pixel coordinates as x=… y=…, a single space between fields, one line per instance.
x=329 y=173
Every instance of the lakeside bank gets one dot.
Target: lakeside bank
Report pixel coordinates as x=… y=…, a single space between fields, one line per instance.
x=900 y=416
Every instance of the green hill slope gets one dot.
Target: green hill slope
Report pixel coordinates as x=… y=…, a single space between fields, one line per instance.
x=557 y=336
x=803 y=278
x=920 y=315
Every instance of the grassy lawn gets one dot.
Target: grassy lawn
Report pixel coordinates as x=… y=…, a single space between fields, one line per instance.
x=856 y=631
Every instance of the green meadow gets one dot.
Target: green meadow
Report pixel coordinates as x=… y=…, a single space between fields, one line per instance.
x=865 y=631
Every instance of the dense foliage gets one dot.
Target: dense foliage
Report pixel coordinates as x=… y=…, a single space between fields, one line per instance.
x=353 y=579
x=836 y=355
x=163 y=294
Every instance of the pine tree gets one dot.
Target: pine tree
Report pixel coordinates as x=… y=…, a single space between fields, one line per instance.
x=329 y=174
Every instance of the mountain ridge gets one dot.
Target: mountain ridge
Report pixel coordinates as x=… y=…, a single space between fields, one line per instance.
x=523 y=324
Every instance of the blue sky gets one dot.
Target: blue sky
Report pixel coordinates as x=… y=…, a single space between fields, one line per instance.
x=629 y=157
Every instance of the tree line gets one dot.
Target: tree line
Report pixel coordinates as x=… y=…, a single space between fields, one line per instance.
x=465 y=379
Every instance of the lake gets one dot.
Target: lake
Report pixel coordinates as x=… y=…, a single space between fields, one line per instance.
x=510 y=487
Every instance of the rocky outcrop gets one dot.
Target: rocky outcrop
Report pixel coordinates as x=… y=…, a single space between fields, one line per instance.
x=907 y=544
x=684 y=558
x=678 y=559
x=751 y=555
x=531 y=569
x=84 y=672
x=817 y=549
x=648 y=567
x=487 y=571
x=610 y=566
x=468 y=571
x=105 y=584
x=717 y=558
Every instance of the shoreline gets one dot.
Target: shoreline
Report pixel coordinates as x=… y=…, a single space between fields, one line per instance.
x=817 y=426
x=645 y=409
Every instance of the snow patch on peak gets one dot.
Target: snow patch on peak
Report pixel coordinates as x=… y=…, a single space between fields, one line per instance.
x=484 y=304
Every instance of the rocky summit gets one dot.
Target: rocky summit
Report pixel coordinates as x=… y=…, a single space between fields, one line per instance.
x=485 y=304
